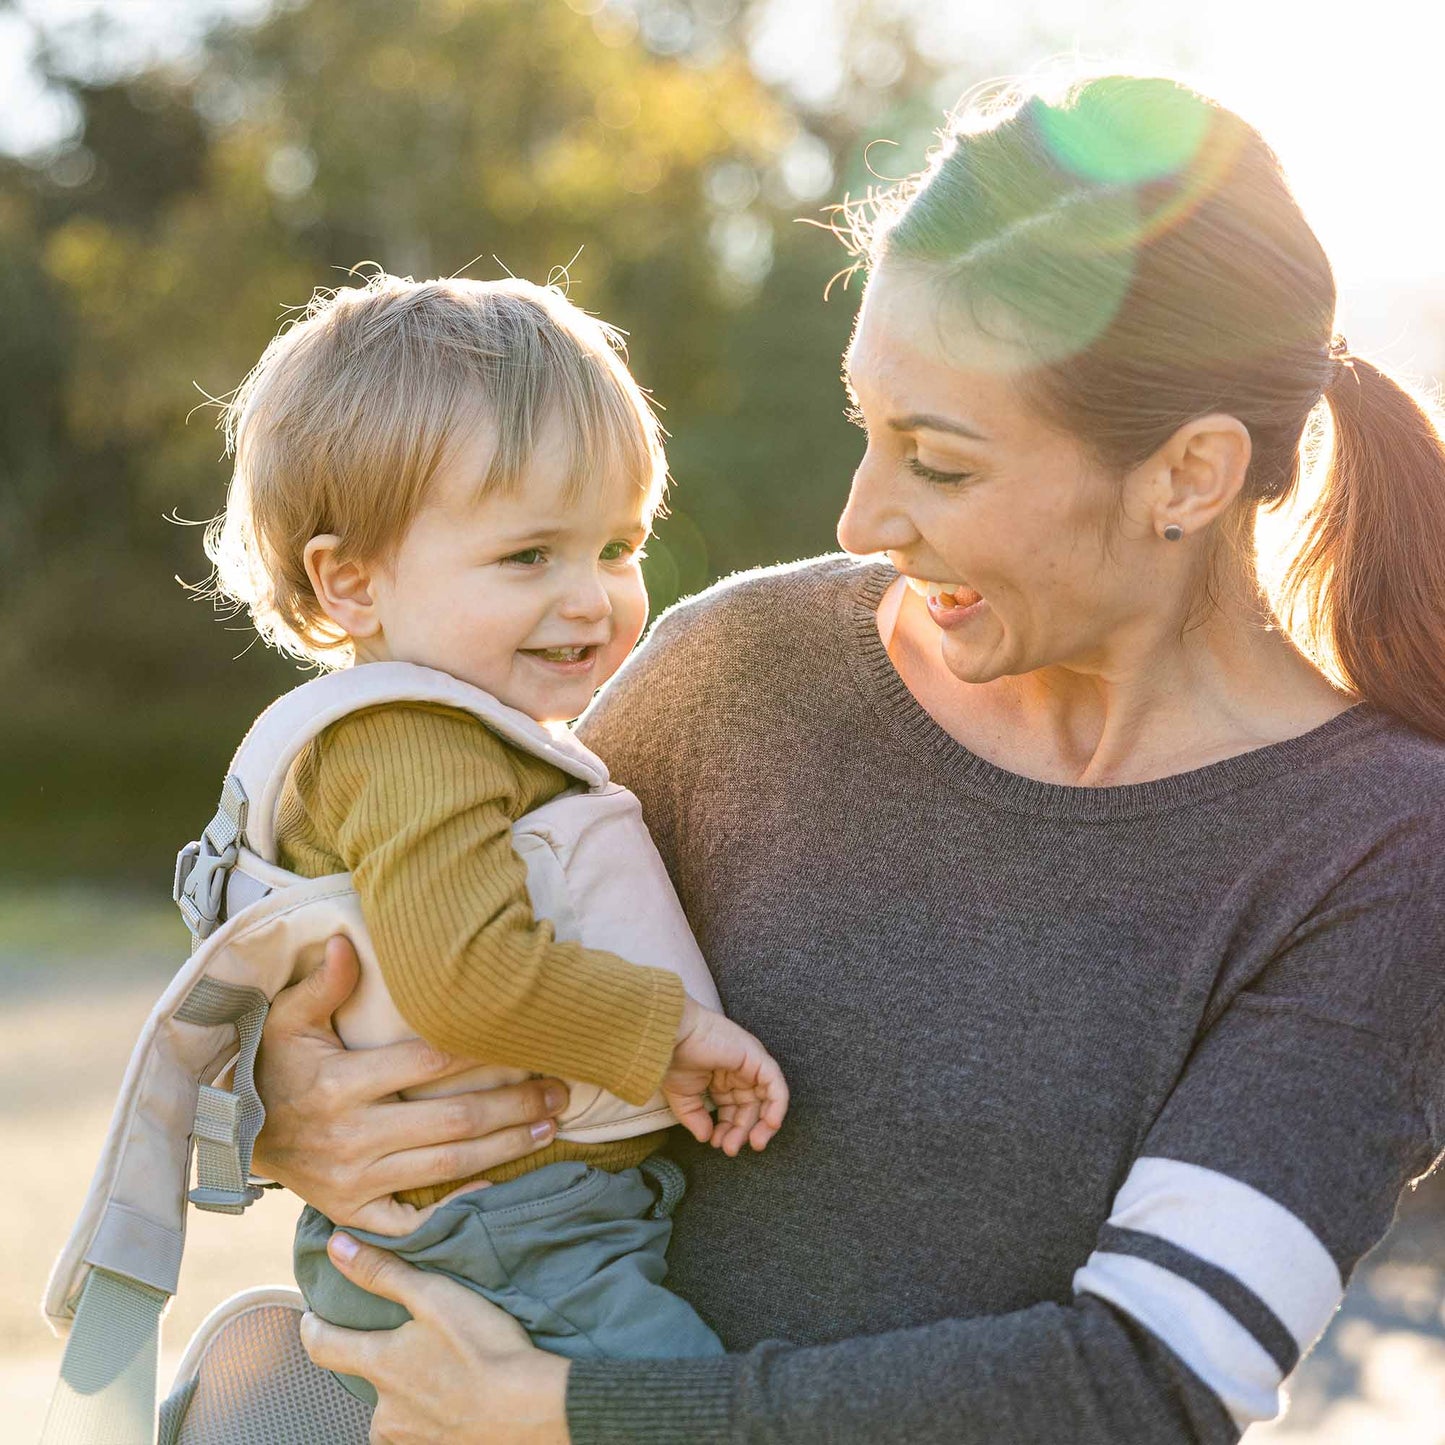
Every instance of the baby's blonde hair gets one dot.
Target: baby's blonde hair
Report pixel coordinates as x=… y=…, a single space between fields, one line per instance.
x=342 y=424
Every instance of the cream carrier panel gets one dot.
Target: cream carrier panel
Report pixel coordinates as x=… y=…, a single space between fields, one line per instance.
x=592 y=870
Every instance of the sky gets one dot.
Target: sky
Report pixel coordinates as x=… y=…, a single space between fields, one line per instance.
x=1348 y=96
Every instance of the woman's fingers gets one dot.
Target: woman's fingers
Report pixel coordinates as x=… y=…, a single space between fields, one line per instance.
x=430 y=1298
x=388 y=1215
x=460 y=1369
x=350 y=1352
x=335 y=1132
x=307 y=1006
x=382 y=1072
x=417 y=1168
x=380 y=1272
x=403 y=1123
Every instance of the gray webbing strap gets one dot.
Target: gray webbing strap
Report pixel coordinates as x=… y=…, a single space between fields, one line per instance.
x=227 y=1122
x=107 y=1387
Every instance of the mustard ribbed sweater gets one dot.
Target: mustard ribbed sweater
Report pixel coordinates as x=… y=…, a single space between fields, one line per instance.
x=417 y=802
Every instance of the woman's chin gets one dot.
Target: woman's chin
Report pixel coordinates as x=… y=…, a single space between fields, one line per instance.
x=973 y=662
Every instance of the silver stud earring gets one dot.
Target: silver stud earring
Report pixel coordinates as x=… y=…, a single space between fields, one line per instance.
x=1173 y=532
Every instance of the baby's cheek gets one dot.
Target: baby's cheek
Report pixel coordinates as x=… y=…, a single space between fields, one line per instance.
x=630 y=614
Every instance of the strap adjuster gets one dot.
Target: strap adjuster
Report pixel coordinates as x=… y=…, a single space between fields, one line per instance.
x=199 y=887
x=225 y=1201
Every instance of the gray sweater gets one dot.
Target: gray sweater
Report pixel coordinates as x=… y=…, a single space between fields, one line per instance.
x=1098 y=1093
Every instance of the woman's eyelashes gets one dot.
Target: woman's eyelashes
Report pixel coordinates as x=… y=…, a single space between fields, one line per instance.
x=932 y=474
x=919 y=469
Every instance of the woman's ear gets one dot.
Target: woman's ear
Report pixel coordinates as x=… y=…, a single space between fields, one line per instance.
x=344 y=589
x=1197 y=473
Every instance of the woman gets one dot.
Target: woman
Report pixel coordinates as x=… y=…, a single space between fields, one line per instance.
x=1098 y=929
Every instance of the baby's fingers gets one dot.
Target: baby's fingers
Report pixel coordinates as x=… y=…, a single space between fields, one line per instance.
x=691 y=1112
x=738 y=1112
x=760 y=1134
x=745 y=1121
x=770 y=1116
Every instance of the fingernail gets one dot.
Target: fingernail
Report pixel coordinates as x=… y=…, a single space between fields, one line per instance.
x=343 y=1247
x=554 y=1098
x=542 y=1130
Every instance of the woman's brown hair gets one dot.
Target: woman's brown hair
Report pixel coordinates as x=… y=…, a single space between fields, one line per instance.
x=1141 y=241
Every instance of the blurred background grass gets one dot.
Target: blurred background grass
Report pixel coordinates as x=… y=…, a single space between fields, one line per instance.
x=175 y=176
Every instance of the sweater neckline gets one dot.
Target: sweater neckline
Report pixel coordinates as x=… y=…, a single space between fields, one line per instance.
x=905 y=715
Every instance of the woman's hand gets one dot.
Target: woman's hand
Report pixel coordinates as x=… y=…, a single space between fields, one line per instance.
x=337 y=1134
x=460 y=1372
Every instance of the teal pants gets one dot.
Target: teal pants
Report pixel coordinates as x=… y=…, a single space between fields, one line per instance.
x=576 y=1254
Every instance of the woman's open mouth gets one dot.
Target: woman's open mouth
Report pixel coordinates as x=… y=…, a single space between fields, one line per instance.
x=950 y=604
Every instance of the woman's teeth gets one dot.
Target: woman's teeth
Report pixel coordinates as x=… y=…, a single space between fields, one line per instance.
x=945 y=594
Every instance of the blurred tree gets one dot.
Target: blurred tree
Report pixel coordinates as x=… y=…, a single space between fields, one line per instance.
x=147 y=261
x=658 y=150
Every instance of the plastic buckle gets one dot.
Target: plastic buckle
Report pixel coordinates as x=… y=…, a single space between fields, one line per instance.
x=199 y=888
x=204 y=888
x=185 y=861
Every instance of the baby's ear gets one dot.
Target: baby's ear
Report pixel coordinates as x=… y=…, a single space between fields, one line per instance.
x=343 y=588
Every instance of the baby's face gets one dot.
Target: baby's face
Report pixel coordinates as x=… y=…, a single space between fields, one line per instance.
x=533 y=598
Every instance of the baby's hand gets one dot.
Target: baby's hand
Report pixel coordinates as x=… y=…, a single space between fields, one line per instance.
x=746 y=1084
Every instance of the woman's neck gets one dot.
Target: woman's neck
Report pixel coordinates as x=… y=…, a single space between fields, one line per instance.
x=1161 y=705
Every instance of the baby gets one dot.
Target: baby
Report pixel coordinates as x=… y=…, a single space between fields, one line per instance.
x=463 y=475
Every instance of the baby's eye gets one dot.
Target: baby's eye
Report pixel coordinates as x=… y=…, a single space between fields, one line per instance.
x=528 y=557
x=620 y=551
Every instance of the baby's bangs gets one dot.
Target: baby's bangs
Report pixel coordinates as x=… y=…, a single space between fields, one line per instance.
x=608 y=429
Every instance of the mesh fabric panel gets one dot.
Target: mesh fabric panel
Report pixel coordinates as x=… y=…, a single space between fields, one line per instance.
x=257 y=1386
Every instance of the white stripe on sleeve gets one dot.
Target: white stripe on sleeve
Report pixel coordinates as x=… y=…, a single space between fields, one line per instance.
x=1236 y=1228
x=1200 y=1331
x=1221 y=1273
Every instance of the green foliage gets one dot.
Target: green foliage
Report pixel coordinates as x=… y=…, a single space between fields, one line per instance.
x=145 y=269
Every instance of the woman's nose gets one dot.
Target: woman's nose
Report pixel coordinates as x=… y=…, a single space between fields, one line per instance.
x=872 y=520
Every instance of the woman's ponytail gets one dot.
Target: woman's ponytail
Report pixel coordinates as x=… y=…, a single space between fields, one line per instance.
x=1365 y=593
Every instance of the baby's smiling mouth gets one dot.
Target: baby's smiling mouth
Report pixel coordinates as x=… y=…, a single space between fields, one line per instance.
x=562 y=654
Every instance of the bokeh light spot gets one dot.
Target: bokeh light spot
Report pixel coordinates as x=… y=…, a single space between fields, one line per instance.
x=1119 y=136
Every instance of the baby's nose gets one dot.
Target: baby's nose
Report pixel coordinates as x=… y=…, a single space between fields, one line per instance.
x=586 y=599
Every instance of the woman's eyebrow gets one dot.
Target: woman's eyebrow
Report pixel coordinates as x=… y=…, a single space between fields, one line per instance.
x=927 y=421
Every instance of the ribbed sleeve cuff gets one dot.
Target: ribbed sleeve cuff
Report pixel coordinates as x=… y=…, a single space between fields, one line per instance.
x=657 y=1036
x=651 y=1402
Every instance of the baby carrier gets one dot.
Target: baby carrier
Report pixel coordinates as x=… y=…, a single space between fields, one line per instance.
x=592 y=870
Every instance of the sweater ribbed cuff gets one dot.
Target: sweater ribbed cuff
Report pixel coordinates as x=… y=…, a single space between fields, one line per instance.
x=651 y=1402
x=657 y=1037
